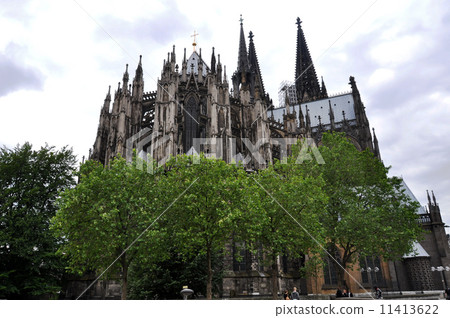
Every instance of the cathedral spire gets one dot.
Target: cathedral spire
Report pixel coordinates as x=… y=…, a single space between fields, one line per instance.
x=242 y=56
x=301 y=118
x=125 y=78
x=331 y=114
x=376 y=149
x=308 y=122
x=323 y=90
x=139 y=71
x=306 y=81
x=225 y=74
x=107 y=101
x=254 y=65
x=239 y=78
x=108 y=95
x=173 y=56
x=219 y=69
x=213 y=62
x=138 y=82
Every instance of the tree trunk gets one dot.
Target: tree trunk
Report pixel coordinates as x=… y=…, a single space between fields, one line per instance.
x=274 y=277
x=340 y=273
x=124 y=278
x=210 y=274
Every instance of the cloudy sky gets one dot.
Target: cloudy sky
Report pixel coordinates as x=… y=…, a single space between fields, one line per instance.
x=57 y=59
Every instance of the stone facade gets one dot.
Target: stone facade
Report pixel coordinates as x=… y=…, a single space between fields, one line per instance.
x=414 y=273
x=101 y=289
x=195 y=109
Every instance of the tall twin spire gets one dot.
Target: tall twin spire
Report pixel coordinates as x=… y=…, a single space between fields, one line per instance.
x=242 y=56
x=306 y=81
x=248 y=71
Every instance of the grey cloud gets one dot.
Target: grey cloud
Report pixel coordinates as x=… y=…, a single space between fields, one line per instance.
x=15 y=75
x=411 y=128
x=156 y=30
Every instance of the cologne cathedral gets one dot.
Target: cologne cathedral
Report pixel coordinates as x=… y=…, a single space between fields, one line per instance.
x=199 y=102
x=195 y=100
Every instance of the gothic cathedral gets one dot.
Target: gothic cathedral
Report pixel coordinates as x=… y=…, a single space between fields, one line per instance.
x=197 y=109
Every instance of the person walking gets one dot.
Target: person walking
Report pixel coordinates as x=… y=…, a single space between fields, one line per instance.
x=378 y=293
x=447 y=294
x=295 y=295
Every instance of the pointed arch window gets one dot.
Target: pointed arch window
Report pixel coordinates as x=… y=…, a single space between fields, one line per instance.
x=165 y=93
x=190 y=123
x=329 y=272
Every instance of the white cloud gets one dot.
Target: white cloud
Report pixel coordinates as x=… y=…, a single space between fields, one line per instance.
x=381 y=76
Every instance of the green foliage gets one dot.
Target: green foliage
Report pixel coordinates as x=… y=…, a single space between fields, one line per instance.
x=164 y=279
x=288 y=207
x=208 y=206
x=286 y=212
x=192 y=210
x=367 y=213
x=30 y=182
x=106 y=213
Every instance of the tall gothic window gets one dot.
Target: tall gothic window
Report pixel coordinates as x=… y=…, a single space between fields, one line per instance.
x=241 y=258
x=220 y=98
x=221 y=119
x=190 y=123
x=329 y=272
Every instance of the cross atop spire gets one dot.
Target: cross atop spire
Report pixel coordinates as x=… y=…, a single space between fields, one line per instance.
x=194 y=44
x=298 y=22
x=241 y=20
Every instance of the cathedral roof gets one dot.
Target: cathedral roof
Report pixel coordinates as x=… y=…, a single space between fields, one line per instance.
x=418 y=251
x=411 y=195
x=194 y=61
x=320 y=108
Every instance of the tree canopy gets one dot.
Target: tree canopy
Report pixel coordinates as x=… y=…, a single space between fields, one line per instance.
x=212 y=210
x=186 y=214
x=106 y=219
x=286 y=213
x=368 y=213
x=30 y=183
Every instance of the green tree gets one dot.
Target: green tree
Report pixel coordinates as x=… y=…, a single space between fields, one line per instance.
x=286 y=215
x=208 y=207
x=164 y=279
x=367 y=212
x=30 y=182
x=103 y=216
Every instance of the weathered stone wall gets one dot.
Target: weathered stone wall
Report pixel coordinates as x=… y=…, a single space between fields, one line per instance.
x=102 y=289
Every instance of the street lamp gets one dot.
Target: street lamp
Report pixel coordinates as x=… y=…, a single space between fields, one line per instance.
x=369 y=271
x=441 y=269
x=186 y=292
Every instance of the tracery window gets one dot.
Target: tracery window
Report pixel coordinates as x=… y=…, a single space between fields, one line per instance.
x=190 y=123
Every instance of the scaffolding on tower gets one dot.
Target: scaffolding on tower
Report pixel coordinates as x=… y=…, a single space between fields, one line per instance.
x=291 y=91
